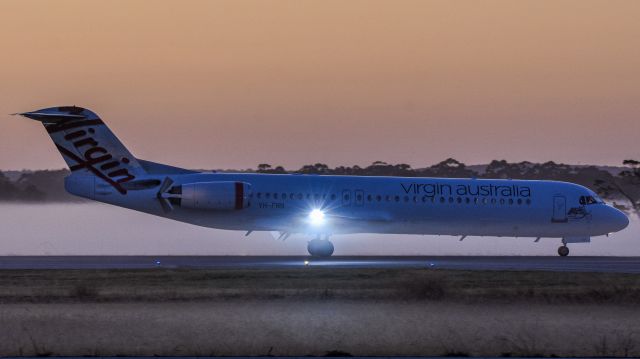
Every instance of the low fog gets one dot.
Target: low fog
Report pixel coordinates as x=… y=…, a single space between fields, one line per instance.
x=98 y=229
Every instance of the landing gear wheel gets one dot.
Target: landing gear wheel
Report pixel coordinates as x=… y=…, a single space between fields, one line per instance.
x=563 y=251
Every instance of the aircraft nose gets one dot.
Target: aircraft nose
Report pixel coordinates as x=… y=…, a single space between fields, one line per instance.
x=618 y=219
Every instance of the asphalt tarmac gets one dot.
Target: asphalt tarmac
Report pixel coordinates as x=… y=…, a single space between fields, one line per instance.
x=520 y=263
x=274 y=357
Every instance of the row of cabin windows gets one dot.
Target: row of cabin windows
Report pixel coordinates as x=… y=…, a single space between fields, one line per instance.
x=389 y=198
x=298 y=196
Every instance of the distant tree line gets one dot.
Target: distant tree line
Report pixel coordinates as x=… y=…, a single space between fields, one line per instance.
x=11 y=191
x=35 y=186
x=618 y=185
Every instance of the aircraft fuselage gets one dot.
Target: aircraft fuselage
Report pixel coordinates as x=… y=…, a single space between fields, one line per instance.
x=400 y=205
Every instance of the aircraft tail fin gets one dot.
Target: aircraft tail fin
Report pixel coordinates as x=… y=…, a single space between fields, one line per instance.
x=88 y=146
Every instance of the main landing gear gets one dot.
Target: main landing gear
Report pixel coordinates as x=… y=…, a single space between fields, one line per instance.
x=320 y=247
x=563 y=251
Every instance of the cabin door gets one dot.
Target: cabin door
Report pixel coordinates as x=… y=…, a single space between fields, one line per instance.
x=559 y=209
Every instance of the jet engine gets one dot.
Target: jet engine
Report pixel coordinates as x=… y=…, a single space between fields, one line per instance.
x=221 y=196
x=320 y=248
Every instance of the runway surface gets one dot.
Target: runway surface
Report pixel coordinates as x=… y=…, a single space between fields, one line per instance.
x=567 y=264
x=274 y=357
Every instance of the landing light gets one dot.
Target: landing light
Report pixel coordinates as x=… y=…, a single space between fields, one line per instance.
x=316 y=217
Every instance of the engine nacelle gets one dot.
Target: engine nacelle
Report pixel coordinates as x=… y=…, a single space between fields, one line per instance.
x=320 y=248
x=213 y=195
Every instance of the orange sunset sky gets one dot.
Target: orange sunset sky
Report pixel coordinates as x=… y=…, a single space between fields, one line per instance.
x=230 y=84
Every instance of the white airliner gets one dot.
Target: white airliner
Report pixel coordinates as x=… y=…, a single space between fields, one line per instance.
x=321 y=206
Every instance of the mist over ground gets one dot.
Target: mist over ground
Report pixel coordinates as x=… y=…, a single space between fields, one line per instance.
x=99 y=229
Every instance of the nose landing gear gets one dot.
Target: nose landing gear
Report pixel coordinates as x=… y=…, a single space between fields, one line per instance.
x=563 y=251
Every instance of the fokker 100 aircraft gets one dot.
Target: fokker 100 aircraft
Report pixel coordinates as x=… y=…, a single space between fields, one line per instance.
x=102 y=169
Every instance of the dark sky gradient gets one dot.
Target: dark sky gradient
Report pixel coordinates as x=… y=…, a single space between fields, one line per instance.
x=230 y=84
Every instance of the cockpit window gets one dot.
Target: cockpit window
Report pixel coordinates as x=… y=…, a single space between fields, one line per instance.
x=587 y=200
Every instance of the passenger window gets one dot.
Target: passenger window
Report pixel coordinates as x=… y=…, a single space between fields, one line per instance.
x=275 y=196
x=259 y=195
x=519 y=200
x=397 y=198
x=346 y=197
x=291 y=196
x=485 y=201
x=388 y=198
x=333 y=197
x=406 y=198
x=369 y=198
x=467 y=200
x=459 y=199
x=300 y=196
x=528 y=201
x=450 y=199
x=284 y=196
x=378 y=198
x=359 y=198
x=442 y=199
x=267 y=195
x=510 y=200
x=493 y=201
x=501 y=200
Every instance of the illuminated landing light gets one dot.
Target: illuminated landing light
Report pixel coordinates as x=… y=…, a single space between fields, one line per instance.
x=317 y=217
x=306 y=263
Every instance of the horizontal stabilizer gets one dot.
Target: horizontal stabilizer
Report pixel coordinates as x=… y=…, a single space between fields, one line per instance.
x=51 y=116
